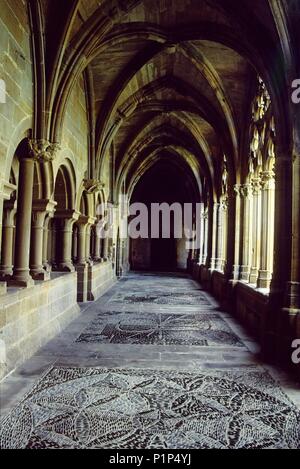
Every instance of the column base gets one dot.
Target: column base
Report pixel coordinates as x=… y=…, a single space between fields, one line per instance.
x=219 y=265
x=245 y=273
x=236 y=272
x=253 y=276
x=66 y=267
x=5 y=278
x=22 y=281
x=292 y=296
x=264 y=279
x=5 y=273
x=47 y=267
x=40 y=275
x=81 y=265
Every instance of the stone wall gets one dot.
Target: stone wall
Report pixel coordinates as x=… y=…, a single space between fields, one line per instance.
x=251 y=308
x=74 y=143
x=16 y=70
x=29 y=318
x=101 y=277
x=94 y=280
x=248 y=304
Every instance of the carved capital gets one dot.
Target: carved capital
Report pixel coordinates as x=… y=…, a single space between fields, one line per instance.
x=246 y=190
x=237 y=190
x=256 y=186
x=93 y=185
x=42 y=150
x=225 y=204
x=267 y=179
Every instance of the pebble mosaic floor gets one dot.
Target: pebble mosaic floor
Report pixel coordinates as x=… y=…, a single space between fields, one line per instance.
x=160 y=329
x=153 y=364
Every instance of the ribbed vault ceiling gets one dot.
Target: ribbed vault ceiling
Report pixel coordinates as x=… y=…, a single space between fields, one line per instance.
x=171 y=74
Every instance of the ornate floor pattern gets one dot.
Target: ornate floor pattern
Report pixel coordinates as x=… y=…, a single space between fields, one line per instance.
x=162 y=298
x=135 y=409
x=155 y=363
x=160 y=329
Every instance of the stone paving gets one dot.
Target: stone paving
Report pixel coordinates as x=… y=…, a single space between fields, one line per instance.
x=154 y=363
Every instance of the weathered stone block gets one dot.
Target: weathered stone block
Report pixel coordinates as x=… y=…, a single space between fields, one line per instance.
x=29 y=318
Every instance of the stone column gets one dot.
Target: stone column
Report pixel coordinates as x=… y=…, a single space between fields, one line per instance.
x=247 y=233
x=224 y=234
x=21 y=275
x=231 y=232
x=68 y=218
x=46 y=263
x=219 y=240
x=6 y=268
x=99 y=239
x=88 y=244
x=256 y=230
x=292 y=296
x=40 y=210
x=83 y=281
x=205 y=237
x=53 y=238
x=81 y=243
x=36 y=151
x=105 y=249
x=202 y=221
x=267 y=232
x=285 y=286
x=213 y=261
x=75 y=244
x=97 y=245
x=6 y=194
x=237 y=194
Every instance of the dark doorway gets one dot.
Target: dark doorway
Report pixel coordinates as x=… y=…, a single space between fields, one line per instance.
x=162 y=183
x=163 y=255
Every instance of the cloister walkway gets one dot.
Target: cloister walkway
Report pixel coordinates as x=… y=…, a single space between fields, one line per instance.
x=154 y=363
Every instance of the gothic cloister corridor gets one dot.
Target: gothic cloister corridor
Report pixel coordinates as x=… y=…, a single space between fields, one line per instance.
x=155 y=364
x=149 y=224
